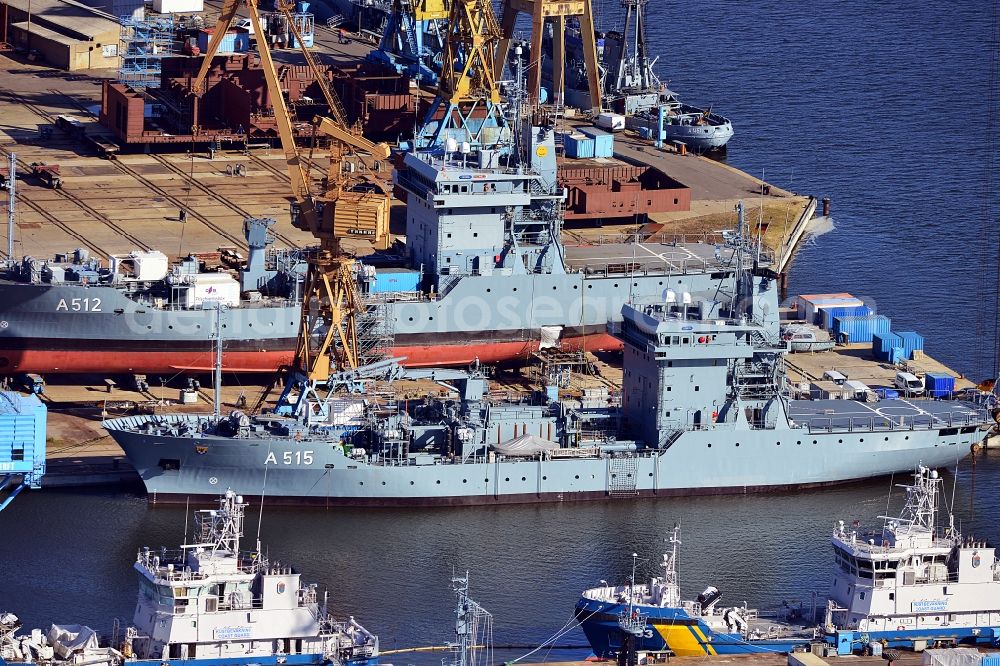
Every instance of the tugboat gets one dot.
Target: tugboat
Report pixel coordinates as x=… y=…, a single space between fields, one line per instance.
x=205 y=604
x=914 y=583
x=653 y=618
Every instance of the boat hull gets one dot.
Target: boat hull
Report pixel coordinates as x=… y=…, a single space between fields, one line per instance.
x=89 y=356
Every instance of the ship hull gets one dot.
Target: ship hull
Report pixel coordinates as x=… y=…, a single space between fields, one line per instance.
x=89 y=356
x=50 y=329
x=177 y=467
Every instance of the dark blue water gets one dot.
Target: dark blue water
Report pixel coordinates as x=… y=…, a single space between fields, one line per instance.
x=883 y=108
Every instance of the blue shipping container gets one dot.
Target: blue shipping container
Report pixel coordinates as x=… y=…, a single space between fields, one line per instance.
x=830 y=314
x=237 y=40
x=579 y=146
x=911 y=342
x=604 y=142
x=860 y=329
x=387 y=280
x=22 y=435
x=882 y=344
x=939 y=385
x=992 y=659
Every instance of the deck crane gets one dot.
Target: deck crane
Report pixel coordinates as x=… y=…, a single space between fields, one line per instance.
x=356 y=201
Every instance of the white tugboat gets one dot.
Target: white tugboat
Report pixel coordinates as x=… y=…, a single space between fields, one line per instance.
x=207 y=604
x=915 y=584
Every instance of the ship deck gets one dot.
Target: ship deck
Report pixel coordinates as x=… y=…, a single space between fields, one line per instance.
x=628 y=257
x=885 y=414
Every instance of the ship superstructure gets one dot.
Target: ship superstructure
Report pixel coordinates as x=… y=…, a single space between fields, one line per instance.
x=206 y=602
x=915 y=580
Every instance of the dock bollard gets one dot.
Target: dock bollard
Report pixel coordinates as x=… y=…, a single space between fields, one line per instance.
x=826 y=206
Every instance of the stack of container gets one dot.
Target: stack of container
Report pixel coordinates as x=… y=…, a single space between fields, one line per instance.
x=911 y=342
x=860 y=328
x=939 y=385
x=604 y=142
x=829 y=314
x=883 y=344
x=579 y=146
x=810 y=306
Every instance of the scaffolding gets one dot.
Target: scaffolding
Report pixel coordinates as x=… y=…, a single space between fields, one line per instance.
x=144 y=40
x=376 y=333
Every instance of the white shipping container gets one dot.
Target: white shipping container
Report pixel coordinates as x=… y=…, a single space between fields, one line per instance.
x=178 y=6
x=212 y=287
x=611 y=121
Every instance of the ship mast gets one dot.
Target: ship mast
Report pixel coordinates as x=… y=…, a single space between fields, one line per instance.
x=11 y=207
x=921 y=505
x=473 y=644
x=672 y=588
x=631 y=621
x=217 y=369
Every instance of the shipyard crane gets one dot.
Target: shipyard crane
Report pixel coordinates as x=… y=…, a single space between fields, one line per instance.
x=356 y=200
x=467 y=86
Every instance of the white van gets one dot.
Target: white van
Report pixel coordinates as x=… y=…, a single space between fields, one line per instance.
x=860 y=391
x=909 y=383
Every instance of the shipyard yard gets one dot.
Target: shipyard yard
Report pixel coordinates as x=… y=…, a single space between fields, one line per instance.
x=497 y=333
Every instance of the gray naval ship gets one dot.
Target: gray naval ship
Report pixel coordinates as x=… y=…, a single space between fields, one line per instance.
x=484 y=276
x=704 y=409
x=142 y=313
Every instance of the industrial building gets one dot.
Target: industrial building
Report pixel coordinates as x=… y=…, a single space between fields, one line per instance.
x=63 y=33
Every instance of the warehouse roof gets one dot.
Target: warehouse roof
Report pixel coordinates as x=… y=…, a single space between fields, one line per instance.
x=45 y=33
x=68 y=17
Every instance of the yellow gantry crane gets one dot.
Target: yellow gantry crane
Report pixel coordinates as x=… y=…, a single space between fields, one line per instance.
x=355 y=202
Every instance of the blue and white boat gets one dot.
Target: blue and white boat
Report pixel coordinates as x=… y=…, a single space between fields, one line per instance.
x=207 y=604
x=914 y=582
x=653 y=618
x=912 y=585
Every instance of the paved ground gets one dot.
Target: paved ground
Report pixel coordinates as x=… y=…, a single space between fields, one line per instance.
x=856 y=362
